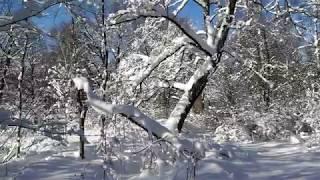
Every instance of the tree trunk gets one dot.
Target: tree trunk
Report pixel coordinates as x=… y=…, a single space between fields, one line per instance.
x=81 y=97
x=267 y=90
x=20 y=81
x=199 y=80
x=182 y=109
x=317 y=40
x=104 y=58
x=82 y=138
x=198 y=106
x=32 y=66
x=184 y=146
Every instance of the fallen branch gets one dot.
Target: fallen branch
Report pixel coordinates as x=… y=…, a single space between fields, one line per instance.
x=137 y=117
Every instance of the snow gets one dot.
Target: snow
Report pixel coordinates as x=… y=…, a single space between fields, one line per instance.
x=271 y=160
x=187 y=29
x=156 y=61
x=133 y=153
x=281 y=161
x=201 y=32
x=211 y=32
x=136 y=116
x=180 y=7
x=244 y=161
x=184 y=101
x=294 y=139
x=265 y=161
x=177 y=85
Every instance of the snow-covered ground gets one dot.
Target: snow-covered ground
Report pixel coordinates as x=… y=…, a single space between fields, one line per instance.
x=271 y=160
x=263 y=161
x=277 y=161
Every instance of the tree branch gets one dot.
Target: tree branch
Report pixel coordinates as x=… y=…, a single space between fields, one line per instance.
x=137 y=117
x=27 y=13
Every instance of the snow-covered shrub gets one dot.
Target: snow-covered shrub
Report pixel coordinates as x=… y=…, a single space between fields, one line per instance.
x=267 y=125
x=231 y=133
x=310 y=123
x=313 y=141
x=256 y=126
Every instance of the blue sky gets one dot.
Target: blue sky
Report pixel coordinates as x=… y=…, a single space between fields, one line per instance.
x=193 y=11
x=58 y=15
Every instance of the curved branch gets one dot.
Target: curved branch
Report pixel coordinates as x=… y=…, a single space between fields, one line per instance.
x=137 y=117
x=27 y=13
x=158 y=60
x=191 y=34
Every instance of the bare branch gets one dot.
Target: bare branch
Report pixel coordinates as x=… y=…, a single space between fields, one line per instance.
x=158 y=60
x=27 y=13
x=186 y=29
x=180 y=7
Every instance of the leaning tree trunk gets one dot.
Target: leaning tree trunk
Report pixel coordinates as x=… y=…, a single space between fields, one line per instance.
x=213 y=48
x=81 y=97
x=199 y=80
x=185 y=147
x=198 y=105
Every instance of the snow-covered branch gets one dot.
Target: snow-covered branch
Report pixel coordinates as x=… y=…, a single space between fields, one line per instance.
x=213 y=46
x=193 y=89
x=269 y=83
x=198 y=81
x=180 y=7
x=32 y=8
x=53 y=134
x=169 y=84
x=138 y=118
x=132 y=15
x=257 y=73
x=156 y=62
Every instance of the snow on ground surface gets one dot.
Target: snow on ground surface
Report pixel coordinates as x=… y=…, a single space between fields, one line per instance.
x=262 y=161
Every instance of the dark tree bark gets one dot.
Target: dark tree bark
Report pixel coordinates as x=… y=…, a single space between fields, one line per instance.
x=32 y=66
x=104 y=58
x=20 y=90
x=195 y=93
x=200 y=77
x=267 y=90
x=81 y=98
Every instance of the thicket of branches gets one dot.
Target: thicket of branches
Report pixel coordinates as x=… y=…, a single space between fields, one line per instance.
x=251 y=72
